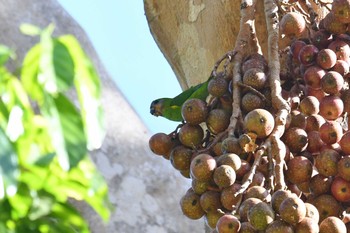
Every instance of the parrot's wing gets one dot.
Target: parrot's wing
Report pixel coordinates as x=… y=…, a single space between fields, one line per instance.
x=199 y=91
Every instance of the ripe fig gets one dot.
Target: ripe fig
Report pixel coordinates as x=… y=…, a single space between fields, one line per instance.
x=217 y=86
x=251 y=101
x=245 y=207
x=278 y=197
x=296 y=139
x=344 y=167
x=230 y=159
x=332 y=224
x=261 y=215
x=228 y=224
x=259 y=121
x=224 y=176
x=161 y=144
x=315 y=142
x=331 y=107
x=258 y=192
x=341 y=49
x=342 y=67
x=255 y=78
x=332 y=82
x=279 y=226
x=327 y=206
x=341 y=10
x=314 y=122
x=292 y=210
x=309 y=105
x=180 y=158
x=307 y=225
x=228 y=198
x=345 y=143
x=191 y=135
x=308 y=54
x=295 y=48
x=292 y=24
x=217 y=120
x=341 y=189
x=326 y=162
x=299 y=170
x=326 y=58
x=320 y=184
x=190 y=205
x=211 y=218
x=210 y=201
x=202 y=167
x=312 y=212
x=321 y=39
x=331 y=132
x=194 y=111
x=313 y=76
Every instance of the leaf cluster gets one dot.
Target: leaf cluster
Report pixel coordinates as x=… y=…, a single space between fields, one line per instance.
x=45 y=137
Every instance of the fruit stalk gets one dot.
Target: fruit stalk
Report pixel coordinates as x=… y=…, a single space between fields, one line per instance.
x=245 y=40
x=278 y=102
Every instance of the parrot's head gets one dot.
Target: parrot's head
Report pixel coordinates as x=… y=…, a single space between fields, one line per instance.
x=156 y=107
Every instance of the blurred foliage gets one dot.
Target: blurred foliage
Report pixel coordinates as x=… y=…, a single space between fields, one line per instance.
x=45 y=137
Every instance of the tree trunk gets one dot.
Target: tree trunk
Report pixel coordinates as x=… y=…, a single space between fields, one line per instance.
x=194 y=34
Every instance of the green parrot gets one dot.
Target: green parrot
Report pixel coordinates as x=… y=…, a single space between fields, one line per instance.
x=170 y=108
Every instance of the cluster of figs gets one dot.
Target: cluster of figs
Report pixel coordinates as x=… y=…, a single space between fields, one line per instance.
x=315 y=84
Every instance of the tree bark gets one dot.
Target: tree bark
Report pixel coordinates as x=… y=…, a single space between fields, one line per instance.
x=194 y=34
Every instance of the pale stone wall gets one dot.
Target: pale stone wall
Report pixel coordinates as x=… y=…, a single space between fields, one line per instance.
x=143 y=187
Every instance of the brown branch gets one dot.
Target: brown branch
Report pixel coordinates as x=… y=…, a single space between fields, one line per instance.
x=258 y=155
x=278 y=102
x=271 y=170
x=243 y=42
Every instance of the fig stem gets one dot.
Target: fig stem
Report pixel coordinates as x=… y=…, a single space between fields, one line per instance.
x=246 y=40
x=281 y=106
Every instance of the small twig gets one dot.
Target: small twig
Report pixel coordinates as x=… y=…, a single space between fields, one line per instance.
x=229 y=56
x=313 y=15
x=213 y=143
x=174 y=133
x=255 y=91
x=258 y=155
x=271 y=171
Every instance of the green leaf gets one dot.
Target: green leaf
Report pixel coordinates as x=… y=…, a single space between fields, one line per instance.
x=30 y=29
x=51 y=114
x=88 y=88
x=21 y=202
x=66 y=130
x=8 y=166
x=63 y=66
x=48 y=66
x=71 y=220
x=47 y=76
x=30 y=72
x=96 y=190
x=5 y=54
x=41 y=206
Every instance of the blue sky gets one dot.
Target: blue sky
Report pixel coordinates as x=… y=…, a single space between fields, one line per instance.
x=120 y=34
